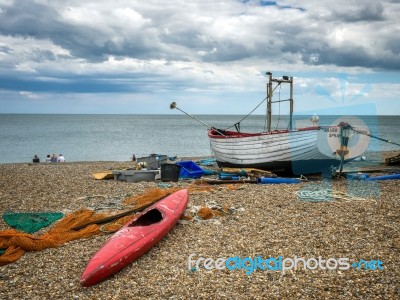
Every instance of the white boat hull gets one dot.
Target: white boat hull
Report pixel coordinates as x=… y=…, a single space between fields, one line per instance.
x=300 y=151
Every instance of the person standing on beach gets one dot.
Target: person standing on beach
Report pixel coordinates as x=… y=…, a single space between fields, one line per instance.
x=61 y=158
x=53 y=158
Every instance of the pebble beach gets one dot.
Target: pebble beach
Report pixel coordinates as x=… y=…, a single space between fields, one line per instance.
x=265 y=220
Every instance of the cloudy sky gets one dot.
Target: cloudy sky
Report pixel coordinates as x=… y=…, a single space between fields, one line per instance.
x=210 y=56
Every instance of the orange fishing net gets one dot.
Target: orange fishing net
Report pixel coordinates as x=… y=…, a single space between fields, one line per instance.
x=16 y=242
x=205 y=213
x=116 y=225
x=148 y=197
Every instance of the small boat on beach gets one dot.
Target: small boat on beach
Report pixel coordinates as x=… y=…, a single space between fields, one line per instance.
x=135 y=238
x=304 y=150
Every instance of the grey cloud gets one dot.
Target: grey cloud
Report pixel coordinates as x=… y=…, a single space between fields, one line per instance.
x=5 y=49
x=27 y=19
x=186 y=33
x=367 y=11
x=44 y=22
x=317 y=45
x=351 y=56
x=393 y=45
x=41 y=55
x=227 y=51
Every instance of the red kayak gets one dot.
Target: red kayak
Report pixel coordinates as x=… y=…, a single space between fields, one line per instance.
x=135 y=238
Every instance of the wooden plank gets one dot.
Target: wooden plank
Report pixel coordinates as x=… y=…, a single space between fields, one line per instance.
x=379 y=168
x=103 y=175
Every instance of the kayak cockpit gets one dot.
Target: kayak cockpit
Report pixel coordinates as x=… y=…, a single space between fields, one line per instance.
x=153 y=216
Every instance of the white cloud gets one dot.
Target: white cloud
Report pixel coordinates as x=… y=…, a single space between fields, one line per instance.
x=203 y=46
x=29 y=95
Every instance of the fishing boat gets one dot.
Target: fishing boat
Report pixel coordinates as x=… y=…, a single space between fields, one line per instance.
x=298 y=151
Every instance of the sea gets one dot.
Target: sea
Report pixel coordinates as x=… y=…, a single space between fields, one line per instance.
x=110 y=137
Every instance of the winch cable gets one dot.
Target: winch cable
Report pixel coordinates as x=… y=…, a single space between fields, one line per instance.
x=237 y=124
x=375 y=137
x=174 y=106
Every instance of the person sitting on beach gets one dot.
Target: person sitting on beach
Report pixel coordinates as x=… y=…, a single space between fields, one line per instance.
x=61 y=158
x=48 y=158
x=53 y=158
x=36 y=159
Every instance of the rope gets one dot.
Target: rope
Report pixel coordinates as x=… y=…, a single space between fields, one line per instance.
x=238 y=123
x=375 y=137
x=315 y=196
x=325 y=196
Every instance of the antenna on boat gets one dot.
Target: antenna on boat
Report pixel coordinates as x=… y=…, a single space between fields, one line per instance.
x=174 y=106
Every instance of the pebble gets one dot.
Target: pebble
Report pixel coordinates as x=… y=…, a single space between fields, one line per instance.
x=270 y=221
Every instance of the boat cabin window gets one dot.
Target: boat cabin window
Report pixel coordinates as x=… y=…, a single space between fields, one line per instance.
x=151 y=217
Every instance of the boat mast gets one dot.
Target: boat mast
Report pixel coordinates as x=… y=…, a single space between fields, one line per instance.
x=284 y=79
x=291 y=102
x=269 y=101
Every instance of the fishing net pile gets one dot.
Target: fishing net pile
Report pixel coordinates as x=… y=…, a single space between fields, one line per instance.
x=80 y=224
x=16 y=242
x=30 y=222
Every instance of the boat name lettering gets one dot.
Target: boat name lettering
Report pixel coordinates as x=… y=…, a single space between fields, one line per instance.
x=330 y=129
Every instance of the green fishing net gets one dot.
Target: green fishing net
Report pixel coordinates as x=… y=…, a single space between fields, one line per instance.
x=30 y=222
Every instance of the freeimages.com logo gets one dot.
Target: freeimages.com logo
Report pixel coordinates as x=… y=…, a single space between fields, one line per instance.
x=249 y=265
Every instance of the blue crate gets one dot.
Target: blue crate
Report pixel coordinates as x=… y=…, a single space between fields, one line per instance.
x=190 y=169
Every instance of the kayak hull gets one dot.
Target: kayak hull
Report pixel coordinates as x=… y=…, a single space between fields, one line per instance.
x=134 y=239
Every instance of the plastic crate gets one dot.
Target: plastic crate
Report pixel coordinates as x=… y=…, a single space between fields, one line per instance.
x=190 y=170
x=153 y=161
x=135 y=175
